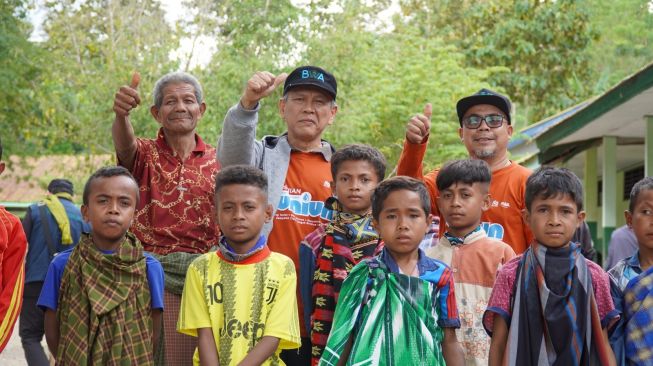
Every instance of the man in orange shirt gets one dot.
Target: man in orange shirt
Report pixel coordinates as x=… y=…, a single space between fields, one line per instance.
x=297 y=163
x=485 y=129
x=13 y=247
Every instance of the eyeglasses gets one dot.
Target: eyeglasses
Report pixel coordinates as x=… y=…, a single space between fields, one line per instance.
x=491 y=120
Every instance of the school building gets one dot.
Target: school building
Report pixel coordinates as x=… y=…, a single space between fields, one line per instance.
x=606 y=140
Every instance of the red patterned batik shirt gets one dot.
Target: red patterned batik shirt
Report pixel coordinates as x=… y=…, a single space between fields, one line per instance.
x=176 y=197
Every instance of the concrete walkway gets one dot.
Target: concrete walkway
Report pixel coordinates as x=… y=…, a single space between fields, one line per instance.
x=13 y=354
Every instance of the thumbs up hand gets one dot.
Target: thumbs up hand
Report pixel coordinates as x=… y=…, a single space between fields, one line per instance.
x=419 y=125
x=259 y=86
x=127 y=97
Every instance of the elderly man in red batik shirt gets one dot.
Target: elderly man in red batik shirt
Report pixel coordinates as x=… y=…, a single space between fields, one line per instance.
x=175 y=171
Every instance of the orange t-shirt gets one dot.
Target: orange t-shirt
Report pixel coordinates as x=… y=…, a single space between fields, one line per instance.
x=301 y=207
x=503 y=221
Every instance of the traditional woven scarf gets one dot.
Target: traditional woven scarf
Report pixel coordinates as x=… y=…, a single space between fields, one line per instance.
x=455 y=240
x=392 y=317
x=349 y=239
x=59 y=212
x=638 y=314
x=104 y=307
x=555 y=318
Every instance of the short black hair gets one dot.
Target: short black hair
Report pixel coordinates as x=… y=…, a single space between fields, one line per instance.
x=643 y=185
x=548 y=181
x=241 y=174
x=359 y=152
x=108 y=172
x=383 y=190
x=468 y=171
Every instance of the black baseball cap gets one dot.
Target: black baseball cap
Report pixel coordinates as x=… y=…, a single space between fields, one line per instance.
x=311 y=76
x=483 y=96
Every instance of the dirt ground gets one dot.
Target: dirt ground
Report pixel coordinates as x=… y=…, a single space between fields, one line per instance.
x=13 y=354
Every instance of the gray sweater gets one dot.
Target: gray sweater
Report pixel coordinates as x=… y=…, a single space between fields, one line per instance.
x=238 y=145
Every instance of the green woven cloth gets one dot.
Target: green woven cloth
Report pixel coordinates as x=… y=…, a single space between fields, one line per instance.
x=392 y=317
x=104 y=307
x=175 y=265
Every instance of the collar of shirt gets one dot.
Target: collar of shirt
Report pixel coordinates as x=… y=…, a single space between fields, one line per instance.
x=468 y=238
x=229 y=253
x=200 y=146
x=633 y=262
x=324 y=149
x=423 y=264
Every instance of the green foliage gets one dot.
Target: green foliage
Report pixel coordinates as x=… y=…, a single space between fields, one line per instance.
x=544 y=54
x=541 y=44
x=19 y=73
x=385 y=79
x=625 y=42
x=93 y=48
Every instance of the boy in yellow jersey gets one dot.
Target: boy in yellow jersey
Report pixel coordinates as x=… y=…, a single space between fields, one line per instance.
x=241 y=301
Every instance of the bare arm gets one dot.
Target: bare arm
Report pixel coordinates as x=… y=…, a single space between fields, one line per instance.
x=156 y=328
x=261 y=352
x=344 y=357
x=451 y=349
x=51 y=325
x=124 y=139
x=206 y=346
x=498 y=342
x=612 y=361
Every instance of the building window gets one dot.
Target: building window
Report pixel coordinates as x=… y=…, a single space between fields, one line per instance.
x=630 y=178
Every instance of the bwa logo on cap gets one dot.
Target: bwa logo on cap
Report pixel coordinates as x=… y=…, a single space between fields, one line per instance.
x=312 y=74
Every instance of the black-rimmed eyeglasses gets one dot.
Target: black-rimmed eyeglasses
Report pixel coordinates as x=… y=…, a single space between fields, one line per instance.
x=491 y=120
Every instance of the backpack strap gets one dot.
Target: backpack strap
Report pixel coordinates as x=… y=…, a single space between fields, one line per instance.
x=45 y=221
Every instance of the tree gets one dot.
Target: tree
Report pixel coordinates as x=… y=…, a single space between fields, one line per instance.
x=93 y=47
x=541 y=44
x=251 y=35
x=624 y=43
x=20 y=71
x=386 y=77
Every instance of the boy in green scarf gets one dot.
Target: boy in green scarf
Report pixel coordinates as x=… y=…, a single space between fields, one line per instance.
x=398 y=308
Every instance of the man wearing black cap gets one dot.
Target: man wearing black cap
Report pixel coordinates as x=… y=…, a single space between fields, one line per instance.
x=51 y=226
x=485 y=129
x=297 y=162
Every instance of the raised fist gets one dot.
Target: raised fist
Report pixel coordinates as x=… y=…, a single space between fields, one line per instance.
x=259 y=86
x=419 y=125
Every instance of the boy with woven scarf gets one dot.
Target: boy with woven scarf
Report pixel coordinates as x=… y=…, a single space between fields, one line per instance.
x=474 y=258
x=241 y=301
x=399 y=307
x=328 y=254
x=551 y=305
x=632 y=283
x=103 y=299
